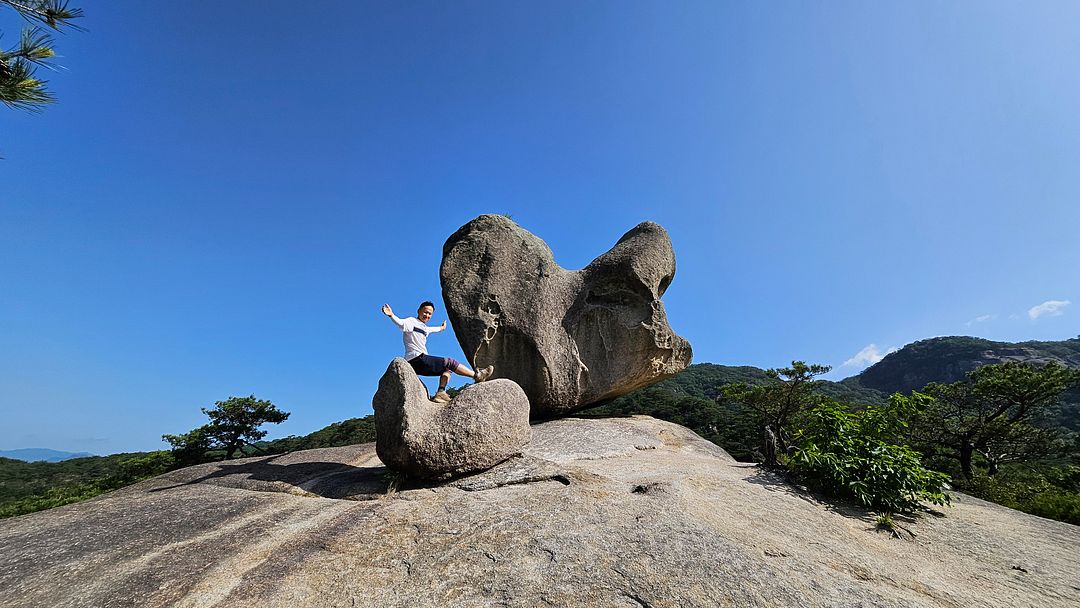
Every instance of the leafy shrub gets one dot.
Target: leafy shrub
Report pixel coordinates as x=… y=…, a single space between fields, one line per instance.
x=852 y=454
x=1031 y=493
x=1055 y=504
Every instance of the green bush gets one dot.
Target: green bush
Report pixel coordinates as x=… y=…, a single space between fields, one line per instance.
x=853 y=454
x=1030 y=492
x=1055 y=504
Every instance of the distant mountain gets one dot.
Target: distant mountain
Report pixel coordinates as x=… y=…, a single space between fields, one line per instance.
x=949 y=359
x=41 y=454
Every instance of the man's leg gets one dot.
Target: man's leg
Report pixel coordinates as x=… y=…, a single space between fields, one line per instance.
x=440 y=395
x=478 y=375
x=453 y=366
x=462 y=370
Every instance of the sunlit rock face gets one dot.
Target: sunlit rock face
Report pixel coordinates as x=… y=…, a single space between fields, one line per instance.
x=569 y=338
x=482 y=426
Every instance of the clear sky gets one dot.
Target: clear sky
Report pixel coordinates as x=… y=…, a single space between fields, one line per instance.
x=227 y=192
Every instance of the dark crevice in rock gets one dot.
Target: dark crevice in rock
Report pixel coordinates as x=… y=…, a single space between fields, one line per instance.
x=563 y=479
x=637 y=599
x=651 y=489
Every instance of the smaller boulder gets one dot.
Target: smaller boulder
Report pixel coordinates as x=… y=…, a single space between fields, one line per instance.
x=482 y=426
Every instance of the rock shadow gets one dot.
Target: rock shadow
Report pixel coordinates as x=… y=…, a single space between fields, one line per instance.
x=777 y=481
x=325 y=479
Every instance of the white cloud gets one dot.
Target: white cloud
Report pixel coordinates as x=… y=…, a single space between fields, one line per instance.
x=1049 y=308
x=869 y=355
x=981 y=319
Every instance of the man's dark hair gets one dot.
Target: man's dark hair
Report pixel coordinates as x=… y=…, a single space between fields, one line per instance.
x=426 y=303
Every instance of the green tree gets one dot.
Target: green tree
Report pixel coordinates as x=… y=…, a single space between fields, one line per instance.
x=778 y=403
x=995 y=413
x=234 y=423
x=191 y=447
x=19 y=88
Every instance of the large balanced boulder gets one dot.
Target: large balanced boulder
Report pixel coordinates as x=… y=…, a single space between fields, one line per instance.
x=570 y=338
x=482 y=426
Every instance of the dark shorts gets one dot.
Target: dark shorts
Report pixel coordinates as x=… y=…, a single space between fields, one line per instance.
x=426 y=365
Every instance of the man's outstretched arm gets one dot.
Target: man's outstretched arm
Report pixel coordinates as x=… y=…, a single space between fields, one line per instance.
x=390 y=313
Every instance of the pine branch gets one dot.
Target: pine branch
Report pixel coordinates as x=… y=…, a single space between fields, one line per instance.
x=53 y=13
x=19 y=89
x=35 y=46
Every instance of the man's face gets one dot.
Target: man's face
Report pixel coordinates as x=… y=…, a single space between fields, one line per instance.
x=425 y=313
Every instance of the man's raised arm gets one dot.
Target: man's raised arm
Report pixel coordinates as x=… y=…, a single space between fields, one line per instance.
x=390 y=313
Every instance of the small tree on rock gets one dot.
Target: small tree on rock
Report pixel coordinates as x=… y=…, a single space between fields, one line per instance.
x=789 y=392
x=234 y=423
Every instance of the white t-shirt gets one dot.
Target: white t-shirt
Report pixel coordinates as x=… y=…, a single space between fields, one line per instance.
x=414 y=334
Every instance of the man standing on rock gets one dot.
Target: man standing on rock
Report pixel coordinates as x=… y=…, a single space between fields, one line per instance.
x=414 y=333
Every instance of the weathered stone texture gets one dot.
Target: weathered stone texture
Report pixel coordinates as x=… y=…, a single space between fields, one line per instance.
x=482 y=426
x=625 y=512
x=570 y=338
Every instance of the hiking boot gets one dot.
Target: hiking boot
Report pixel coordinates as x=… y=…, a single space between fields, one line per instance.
x=441 y=397
x=484 y=374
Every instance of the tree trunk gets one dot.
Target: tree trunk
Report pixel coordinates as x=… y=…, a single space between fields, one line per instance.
x=966 y=451
x=769 y=442
x=992 y=468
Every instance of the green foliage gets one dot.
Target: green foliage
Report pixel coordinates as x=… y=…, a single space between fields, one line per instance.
x=191 y=447
x=885 y=521
x=949 y=359
x=778 y=404
x=19 y=88
x=125 y=471
x=26 y=487
x=998 y=413
x=234 y=423
x=347 y=432
x=724 y=423
x=1052 y=493
x=854 y=454
x=20 y=479
x=142 y=467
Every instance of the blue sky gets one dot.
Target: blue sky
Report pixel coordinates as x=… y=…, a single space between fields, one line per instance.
x=227 y=192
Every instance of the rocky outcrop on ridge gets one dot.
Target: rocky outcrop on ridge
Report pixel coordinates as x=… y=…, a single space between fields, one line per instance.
x=626 y=512
x=482 y=426
x=570 y=338
x=949 y=359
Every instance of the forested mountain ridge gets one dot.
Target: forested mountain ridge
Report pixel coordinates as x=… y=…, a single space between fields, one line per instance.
x=945 y=359
x=950 y=358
